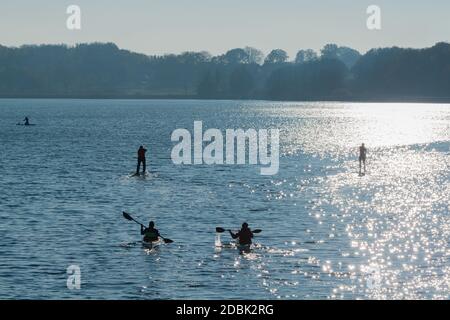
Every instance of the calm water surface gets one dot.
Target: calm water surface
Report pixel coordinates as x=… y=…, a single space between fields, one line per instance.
x=327 y=233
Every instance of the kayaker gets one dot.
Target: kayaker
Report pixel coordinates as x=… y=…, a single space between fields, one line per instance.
x=362 y=157
x=245 y=235
x=141 y=159
x=150 y=234
x=27 y=122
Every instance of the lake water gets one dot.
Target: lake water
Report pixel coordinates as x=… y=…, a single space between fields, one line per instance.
x=327 y=232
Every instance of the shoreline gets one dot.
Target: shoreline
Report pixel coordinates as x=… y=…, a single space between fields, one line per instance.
x=195 y=98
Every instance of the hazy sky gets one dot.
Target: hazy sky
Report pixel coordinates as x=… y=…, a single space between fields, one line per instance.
x=173 y=26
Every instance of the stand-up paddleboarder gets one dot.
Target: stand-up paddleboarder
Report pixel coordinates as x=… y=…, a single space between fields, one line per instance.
x=362 y=158
x=141 y=159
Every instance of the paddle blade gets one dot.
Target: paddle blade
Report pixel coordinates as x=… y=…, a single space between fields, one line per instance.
x=127 y=216
x=257 y=231
x=168 y=240
x=220 y=230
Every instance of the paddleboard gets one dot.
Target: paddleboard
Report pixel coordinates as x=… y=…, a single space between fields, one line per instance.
x=140 y=175
x=148 y=174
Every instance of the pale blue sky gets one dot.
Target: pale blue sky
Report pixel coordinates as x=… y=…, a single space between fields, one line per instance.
x=173 y=26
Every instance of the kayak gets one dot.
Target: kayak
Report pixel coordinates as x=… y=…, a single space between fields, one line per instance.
x=153 y=244
x=242 y=248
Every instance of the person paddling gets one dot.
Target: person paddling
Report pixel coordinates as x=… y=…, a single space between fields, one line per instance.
x=150 y=234
x=362 y=157
x=141 y=159
x=245 y=235
x=27 y=121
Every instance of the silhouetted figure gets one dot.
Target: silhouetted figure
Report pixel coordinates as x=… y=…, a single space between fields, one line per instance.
x=150 y=234
x=245 y=235
x=27 y=121
x=362 y=157
x=141 y=159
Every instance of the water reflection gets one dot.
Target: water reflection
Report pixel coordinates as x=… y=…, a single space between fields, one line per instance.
x=327 y=233
x=380 y=236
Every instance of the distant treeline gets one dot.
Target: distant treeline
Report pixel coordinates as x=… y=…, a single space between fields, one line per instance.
x=336 y=73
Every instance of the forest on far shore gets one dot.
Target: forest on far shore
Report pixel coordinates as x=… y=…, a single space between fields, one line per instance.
x=102 y=70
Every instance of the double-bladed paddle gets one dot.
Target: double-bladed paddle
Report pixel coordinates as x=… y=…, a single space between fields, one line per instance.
x=128 y=217
x=221 y=230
